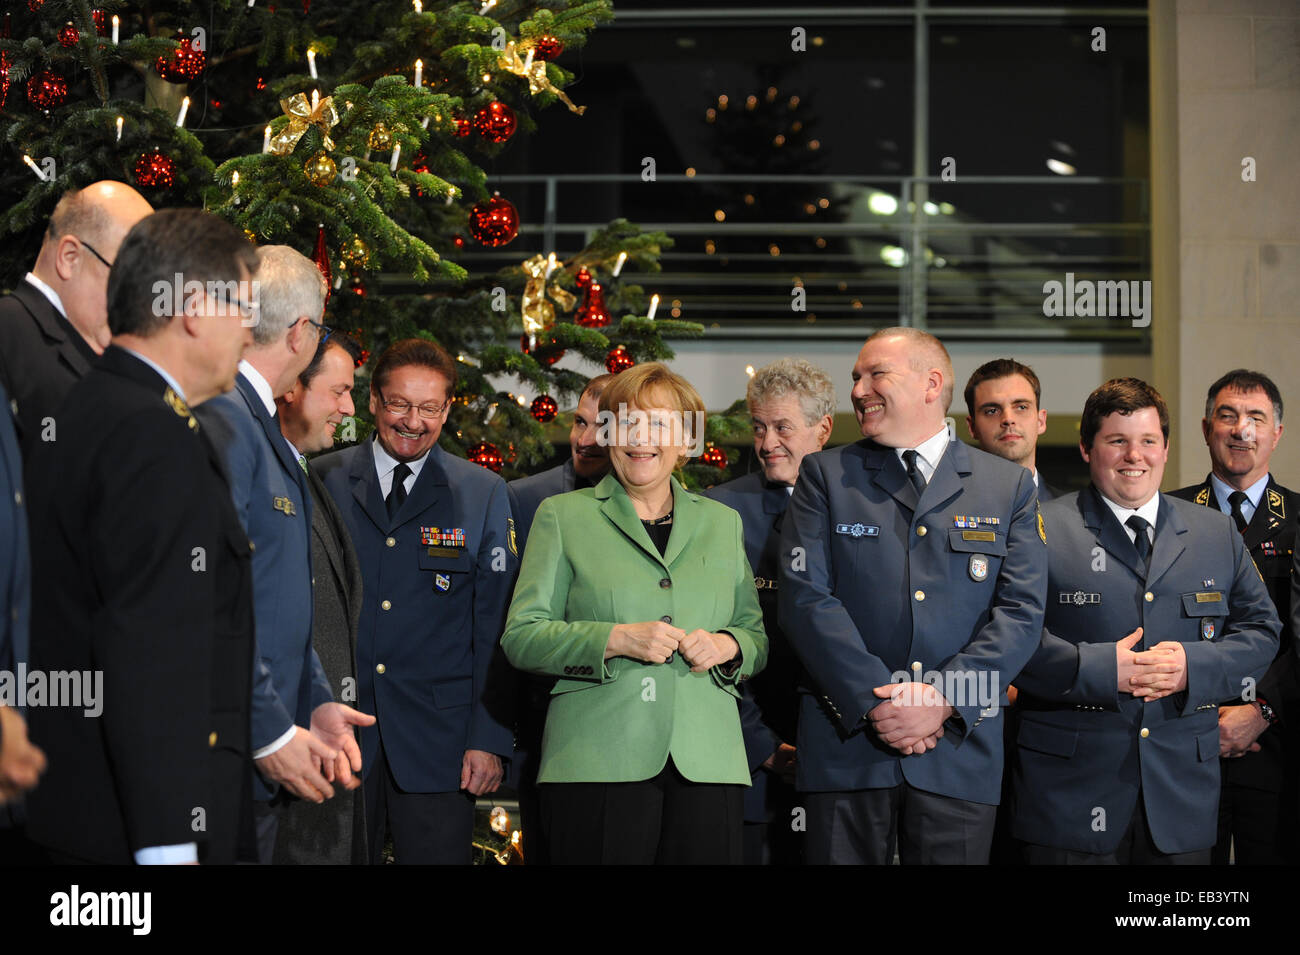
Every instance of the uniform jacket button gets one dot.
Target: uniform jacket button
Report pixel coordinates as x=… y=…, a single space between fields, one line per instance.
x=920 y=595
x=665 y=583
x=921 y=531
x=212 y=739
x=1145 y=732
x=667 y=618
x=391 y=542
x=380 y=668
x=387 y=605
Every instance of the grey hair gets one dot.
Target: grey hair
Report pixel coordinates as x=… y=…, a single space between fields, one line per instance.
x=799 y=378
x=289 y=285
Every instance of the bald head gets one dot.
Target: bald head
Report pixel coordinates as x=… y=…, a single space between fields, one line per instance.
x=81 y=241
x=902 y=386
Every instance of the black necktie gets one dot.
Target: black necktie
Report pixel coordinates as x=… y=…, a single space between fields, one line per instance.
x=1140 y=539
x=1236 y=499
x=397 y=493
x=914 y=473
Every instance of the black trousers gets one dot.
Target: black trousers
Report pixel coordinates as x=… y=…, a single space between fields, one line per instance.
x=665 y=820
x=1135 y=848
x=1256 y=827
x=427 y=828
x=863 y=826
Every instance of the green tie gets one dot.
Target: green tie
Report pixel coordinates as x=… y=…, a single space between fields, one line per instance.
x=302 y=463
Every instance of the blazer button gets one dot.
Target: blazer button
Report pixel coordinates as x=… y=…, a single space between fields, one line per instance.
x=568 y=671
x=665 y=583
x=252 y=546
x=212 y=739
x=387 y=605
x=18 y=498
x=391 y=542
x=587 y=670
x=916 y=665
x=920 y=595
x=380 y=668
x=1148 y=596
x=1145 y=732
x=922 y=531
x=666 y=618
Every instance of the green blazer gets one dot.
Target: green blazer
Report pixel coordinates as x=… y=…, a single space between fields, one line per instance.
x=590 y=564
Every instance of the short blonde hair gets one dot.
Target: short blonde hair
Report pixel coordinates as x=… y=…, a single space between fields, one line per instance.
x=633 y=387
x=794 y=377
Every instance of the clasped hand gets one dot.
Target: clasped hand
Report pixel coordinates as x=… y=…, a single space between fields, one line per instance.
x=655 y=642
x=311 y=760
x=1150 y=674
x=911 y=721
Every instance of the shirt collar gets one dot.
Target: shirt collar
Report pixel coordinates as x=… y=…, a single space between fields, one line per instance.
x=260 y=385
x=166 y=375
x=1222 y=491
x=48 y=292
x=929 y=452
x=385 y=463
x=1148 y=511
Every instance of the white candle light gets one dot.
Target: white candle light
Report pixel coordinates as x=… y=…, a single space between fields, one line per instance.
x=185 y=108
x=486 y=7
x=654 y=307
x=119 y=129
x=551 y=263
x=419 y=7
x=315 y=99
x=311 y=64
x=397 y=151
x=35 y=168
x=234 y=179
x=266 y=139
x=528 y=62
x=419 y=73
x=618 y=266
x=116 y=24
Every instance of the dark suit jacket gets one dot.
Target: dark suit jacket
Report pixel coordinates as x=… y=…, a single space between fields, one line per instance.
x=333 y=832
x=1045 y=491
x=15 y=563
x=1085 y=749
x=268 y=488
x=768 y=701
x=526 y=493
x=41 y=357
x=428 y=645
x=1270 y=538
x=885 y=587
x=141 y=571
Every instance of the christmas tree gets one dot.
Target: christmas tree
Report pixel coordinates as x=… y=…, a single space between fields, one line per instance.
x=356 y=133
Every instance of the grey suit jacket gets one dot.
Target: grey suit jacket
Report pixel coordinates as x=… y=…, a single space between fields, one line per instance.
x=333 y=833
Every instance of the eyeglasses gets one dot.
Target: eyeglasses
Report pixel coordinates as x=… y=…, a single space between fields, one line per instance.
x=400 y=407
x=324 y=330
x=94 y=252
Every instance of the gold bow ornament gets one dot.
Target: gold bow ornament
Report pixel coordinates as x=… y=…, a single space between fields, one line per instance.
x=535 y=73
x=301 y=117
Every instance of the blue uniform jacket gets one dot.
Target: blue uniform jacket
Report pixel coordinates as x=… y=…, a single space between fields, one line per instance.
x=267 y=486
x=768 y=700
x=875 y=584
x=429 y=664
x=15 y=562
x=527 y=494
x=1084 y=749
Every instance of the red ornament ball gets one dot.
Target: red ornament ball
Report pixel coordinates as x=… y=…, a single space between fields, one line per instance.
x=68 y=37
x=546 y=351
x=494 y=222
x=618 y=360
x=155 y=170
x=46 y=90
x=547 y=47
x=583 y=278
x=183 y=64
x=714 y=456
x=544 y=408
x=495 y=122
x=100 y=21
x=486 y=455
x=35 y=5
x=458 y=241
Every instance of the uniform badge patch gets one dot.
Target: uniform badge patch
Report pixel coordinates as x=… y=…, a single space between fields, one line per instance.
x=1078 y=598
x=284 y=505
x=979 y=567
x=1042 y=529
x=442 y=582
x=442 y=537
x=1207 y=582
x=510 y=536
x=858 y=530
x=1207 y=628
x=177 y=404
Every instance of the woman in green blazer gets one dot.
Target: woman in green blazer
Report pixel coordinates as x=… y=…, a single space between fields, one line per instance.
x=636 y=595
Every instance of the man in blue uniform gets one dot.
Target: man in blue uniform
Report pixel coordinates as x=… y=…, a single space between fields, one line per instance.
x=911 y=587
x=438 y=557
x=302 y=739
x=1004 y=415
x=791 y=406
x=1155 y=616
x=1257 y=805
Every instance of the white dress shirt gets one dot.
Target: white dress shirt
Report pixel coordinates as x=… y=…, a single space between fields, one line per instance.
x=385 y=464
x=1148 y=512
x=928 y=453
x=48 y=292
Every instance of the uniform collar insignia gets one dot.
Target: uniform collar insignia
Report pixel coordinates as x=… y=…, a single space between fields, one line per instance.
x=177 y=404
